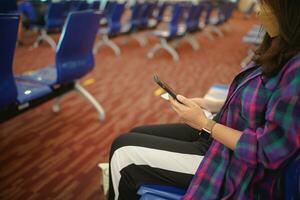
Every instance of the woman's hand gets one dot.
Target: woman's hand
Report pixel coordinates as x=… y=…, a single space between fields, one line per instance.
x=207 y=104
x=190 y=112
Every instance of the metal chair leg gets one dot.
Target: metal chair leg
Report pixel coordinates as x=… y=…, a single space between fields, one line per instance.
x=111 y=44
x=91 y=99
x=217 y=31
x=192 y=41
x=44 y=36
x=56 y=105
x=163 y=44
x=208 y=34
x=141 y=40
x=169 y=49
x=106 y=41
x=97 y=46
x=153 y=50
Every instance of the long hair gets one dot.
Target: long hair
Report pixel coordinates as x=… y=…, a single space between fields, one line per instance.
x=273 y=53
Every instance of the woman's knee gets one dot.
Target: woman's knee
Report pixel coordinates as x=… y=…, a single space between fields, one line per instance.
x=120 y=141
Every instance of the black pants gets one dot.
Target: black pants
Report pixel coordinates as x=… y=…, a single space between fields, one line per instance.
x=158 y=154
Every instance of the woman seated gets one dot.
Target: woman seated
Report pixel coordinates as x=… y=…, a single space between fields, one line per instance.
x=251 y=140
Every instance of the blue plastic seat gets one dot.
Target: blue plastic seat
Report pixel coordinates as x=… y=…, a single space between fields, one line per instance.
x=291 y=186
x=95 y=5
x=224 y=12
x=292 y=180
x=160 y=192
x=54 y=20
x=174 y=31
x=14 y=93
x=160 y=12
x=185 y=21
x=113 y=14
x=74 y=57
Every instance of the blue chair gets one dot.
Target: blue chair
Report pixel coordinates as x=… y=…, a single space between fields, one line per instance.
x=15 y=95
x=54 y=20
x=114 y=15
x=292 y=180
x=83 y=5
x=216 y=23
x=28 y=13
x=160 y=192
x=159 y=15
x=291 y=186
x=147 y=13
x=174 y=31
x=95 y=5
x=74 y=57
x=131 y=28
x=192 y=23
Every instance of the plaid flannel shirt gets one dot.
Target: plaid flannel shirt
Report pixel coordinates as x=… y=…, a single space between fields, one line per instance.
x=267 y=111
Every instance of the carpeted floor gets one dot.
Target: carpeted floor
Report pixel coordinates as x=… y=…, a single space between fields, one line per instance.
x=46 y=155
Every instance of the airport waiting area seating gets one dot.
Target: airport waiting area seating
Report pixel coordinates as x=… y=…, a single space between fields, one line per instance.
x=73 y=60
x=54 y=20
x=186 y=19
x=113 y=13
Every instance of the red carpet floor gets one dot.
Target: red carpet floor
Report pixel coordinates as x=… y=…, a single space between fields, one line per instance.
x=46 y=155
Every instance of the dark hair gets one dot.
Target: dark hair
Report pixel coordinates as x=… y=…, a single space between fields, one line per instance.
x=273 y=53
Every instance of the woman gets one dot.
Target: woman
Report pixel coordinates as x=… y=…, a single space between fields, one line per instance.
x=254 y=136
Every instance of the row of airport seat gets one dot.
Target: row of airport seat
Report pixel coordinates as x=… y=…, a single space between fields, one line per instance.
x=73 y=59
x=186 y=19
x=184 y=22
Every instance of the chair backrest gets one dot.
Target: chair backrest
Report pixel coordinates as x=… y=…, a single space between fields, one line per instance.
x=55 y=15
x=95 y=5
x=161 y=10
x=83 y=6
x=27 y=9
x=147 y=11
x=193 y=17
x=8 y=37
x=114 y=19
x=208 y=8
x=135 y=18
x=292 y=180
x=177 y=17
x=225 y=11
x=74 y=57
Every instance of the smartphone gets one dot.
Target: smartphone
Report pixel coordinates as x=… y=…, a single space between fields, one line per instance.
x=166 y=87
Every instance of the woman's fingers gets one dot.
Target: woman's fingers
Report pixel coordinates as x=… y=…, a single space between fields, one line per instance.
x=176 y=104
x=186 y=101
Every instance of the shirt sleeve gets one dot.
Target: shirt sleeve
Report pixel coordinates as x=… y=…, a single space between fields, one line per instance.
x=279 y=138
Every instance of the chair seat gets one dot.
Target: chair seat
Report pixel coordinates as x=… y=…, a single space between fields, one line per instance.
x=252 y=40
x=215 y=20
x=149 y=196
x=158 y=192
x=47 y=76
x=167 y=34
x=29 y=91
x=104 y=31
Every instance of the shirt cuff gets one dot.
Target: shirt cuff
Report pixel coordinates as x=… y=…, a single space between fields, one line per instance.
x=246 y=148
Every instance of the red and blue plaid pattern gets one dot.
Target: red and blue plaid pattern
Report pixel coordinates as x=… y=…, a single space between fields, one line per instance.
x=267 y=111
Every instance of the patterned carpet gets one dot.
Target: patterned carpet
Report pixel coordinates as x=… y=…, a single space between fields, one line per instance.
x=46 y=155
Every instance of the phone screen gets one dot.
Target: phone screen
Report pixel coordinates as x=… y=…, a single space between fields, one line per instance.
x=166 y=87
